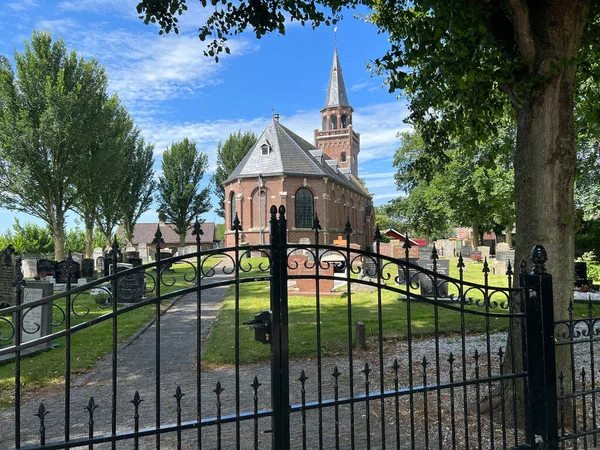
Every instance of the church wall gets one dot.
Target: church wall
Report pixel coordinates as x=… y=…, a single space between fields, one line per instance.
x=333 y=203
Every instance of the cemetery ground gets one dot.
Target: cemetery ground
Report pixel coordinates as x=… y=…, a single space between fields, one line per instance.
x=89 y=345
x=254 y=297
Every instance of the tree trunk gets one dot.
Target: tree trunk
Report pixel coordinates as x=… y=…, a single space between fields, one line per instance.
x=508 y=231
x=89 y=236
x=58 y=228
x=109 y=241
x=475 y=235
x=545 y=154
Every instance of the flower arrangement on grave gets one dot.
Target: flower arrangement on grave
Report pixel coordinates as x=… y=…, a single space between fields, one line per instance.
x=476 y=257
x=100 y=296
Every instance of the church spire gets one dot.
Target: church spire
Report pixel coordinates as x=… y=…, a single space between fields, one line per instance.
x=336 y=91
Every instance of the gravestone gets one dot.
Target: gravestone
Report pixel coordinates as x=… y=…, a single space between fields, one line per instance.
x=29 y=268
x=506 y=256
x=131 y=288
x=45 y=268
x=425 y=252
x=369 y=267
x=143 y=251
x=426 y=280
x=412 y=272
x=130 y=254
x=135 y=262
x=87 y=268
x=580 y=274
x=7 y=276
x=466 y=251
x=100 y=265
x=62 y=272
x=502 y=247
x=108 y=261
x=476 y=255
x=37 y=322
x=485 y=251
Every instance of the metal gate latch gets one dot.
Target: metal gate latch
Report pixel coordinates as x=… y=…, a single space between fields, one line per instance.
x=262 y=326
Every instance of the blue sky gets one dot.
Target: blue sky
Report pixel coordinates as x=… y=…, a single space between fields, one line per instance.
x=173 y=91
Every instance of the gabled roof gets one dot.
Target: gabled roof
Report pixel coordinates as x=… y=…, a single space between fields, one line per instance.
x=336 y=91
x=288 y=154
x=144 y=233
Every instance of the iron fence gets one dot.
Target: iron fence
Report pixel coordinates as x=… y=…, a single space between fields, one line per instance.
x=455 y=364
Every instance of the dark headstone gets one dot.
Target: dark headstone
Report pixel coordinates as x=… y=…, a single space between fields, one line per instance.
x=580 y=271
x=87 y=268
x=426 y=280
x=7 y=277
x=37 y=322
x=369 y=267
x=128 y=255
x=466 y=251
x=135 y=261
x=62 y=271
x=507 y=255
x=45 y=268
x=425 y=252
x=412 y=272
x=165 y=255
x=131 y=288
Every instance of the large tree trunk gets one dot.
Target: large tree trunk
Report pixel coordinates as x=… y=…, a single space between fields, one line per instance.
x=475 y=235
x=545 y=154
x=508 y=231
x=89 y=236
x=58 y=229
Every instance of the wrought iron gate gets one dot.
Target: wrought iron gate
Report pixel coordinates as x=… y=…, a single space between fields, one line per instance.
x=367 y=350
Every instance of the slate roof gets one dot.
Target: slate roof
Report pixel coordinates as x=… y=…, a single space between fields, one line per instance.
x=336 y=91
x=288 y=154
x=144 y=233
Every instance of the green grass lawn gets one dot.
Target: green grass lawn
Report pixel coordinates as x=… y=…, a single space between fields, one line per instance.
x=87 y=345
x=254 y=297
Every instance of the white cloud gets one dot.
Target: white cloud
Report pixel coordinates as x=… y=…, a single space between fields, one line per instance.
x=21 y=5
x=359 y=86
x=59 y=26
x=379 y=197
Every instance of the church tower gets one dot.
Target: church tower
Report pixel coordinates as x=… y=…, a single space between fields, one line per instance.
x=336 y=138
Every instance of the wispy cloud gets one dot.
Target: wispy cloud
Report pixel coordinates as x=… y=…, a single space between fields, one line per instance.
x=358 y=86
x=58 y=26
x=21 y=5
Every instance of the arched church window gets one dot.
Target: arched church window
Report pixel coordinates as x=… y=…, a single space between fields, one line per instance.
x=304 y=208
x=333 y=119
x=343 y=157
x=232 y=209
x=344 y=121
x=324 y=123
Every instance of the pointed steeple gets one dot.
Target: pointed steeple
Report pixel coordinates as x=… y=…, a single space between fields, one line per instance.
x=336 y=91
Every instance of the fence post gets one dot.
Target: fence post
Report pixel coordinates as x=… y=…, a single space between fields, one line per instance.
x=541 y=360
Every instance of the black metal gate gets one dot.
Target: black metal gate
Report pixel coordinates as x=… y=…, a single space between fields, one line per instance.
x=367 y=350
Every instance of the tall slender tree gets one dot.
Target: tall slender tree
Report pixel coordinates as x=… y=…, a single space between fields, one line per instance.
x=47 y=107
x=229 y=155
x=179 y=196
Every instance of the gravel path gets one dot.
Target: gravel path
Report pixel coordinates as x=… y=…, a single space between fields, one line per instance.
x=435 y=425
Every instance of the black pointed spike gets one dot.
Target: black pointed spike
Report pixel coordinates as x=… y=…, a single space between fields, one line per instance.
x=476 y=355
x=41 y=411
x=367 y=369
x=500 y=353
x=509 y=270
x=451 y=359
x=406 y=241
x=255 y=384
x=281 y=212
x=69 y=257
x=486 y=267
x=336 y=373
x=570 y=310
x=136 y=399
x=197 y=229
x=115 y=245
x=561 y=377
x=377 y=233
x=461 y=262
x=316 y=225
x=396 y=366
x=178 y=393
x=523 y=267
x=302 y=378
x=348 y=227
x=434 y=253
x=218 y=389
x=91 y=406
x=273 y=212
x=236 y=223
x=424 y=362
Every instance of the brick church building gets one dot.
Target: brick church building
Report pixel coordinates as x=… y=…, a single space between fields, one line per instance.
x=284 y=169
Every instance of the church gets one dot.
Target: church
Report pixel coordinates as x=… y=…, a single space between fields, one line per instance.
x=320 y=179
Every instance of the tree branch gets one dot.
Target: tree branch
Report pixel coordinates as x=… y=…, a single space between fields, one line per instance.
x=519 y=17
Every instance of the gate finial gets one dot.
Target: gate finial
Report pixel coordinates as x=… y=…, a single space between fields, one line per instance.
x=406 y=244
x=281 y=212
x=197 y=230
x=236 y=223
x=377 y=233
x=348 y=229
x=539 y=258
x=316 y=224
x=273 y=212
